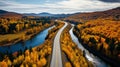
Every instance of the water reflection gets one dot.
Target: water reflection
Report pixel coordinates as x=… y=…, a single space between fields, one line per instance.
x=95 y=60
x=35 y=41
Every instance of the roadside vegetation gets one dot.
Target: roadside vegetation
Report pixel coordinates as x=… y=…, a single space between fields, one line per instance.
x=39 y=56
x=72 y=55
x=101 y=35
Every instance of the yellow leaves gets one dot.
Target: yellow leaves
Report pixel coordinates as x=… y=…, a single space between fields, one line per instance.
x=21 y=65
x=71 y=50
x=106 y=28
x=45 y=50
x=49 y=50
x=21 y=58
x=7 y=60
x=96 y=38
x=26 y=65
x=39 y=64
x=34 y=49
x=27 y=52
x=15 y=61
x=27 y=59
x=26 y=25
x=3 y=64
x=98 y=46
x=42 y=53
x=43 y=61
x=18 y=27
x=34 y=65
x=9 y=63
x=79 y=26
x=32 y=55
x=18 y=60
x=105 y=46
x=101 y=34
x=68 y=64
x=76 y=64
x=23 y=37
x=102 y=40
x=35 y=57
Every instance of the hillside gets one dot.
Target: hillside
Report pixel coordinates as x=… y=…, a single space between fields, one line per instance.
x=100 y=33
x=113 y=14
x=39 y=14
x=45 y=14
x=6 y=14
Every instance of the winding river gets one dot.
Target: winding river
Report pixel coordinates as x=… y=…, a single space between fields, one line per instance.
x=94 y=59
x=35 y=41
x=40 y=38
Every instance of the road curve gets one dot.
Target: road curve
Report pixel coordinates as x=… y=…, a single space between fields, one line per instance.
x=56 y=60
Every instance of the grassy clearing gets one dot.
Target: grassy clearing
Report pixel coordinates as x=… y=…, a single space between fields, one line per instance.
x=11 y=36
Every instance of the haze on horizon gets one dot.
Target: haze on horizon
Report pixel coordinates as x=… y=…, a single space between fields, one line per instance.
x=57 y=6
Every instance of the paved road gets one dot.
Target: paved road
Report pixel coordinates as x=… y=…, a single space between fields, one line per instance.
x=56 y=60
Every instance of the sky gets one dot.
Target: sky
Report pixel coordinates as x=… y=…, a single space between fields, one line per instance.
x=57 y=6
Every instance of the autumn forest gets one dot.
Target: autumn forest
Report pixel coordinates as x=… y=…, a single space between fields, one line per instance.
x=83 y=39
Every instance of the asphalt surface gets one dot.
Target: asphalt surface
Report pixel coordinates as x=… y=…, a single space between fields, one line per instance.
x=56 y=60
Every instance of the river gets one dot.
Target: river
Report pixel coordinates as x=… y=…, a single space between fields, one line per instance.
x=94 y=59
x=35 y=41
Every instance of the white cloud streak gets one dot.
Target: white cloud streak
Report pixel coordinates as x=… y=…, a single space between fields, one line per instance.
x=67 y=6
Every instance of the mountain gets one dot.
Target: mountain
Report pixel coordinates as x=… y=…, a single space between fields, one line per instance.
x=3 y=12
x=40 y=14
x=62 y=15
x=30 y=14
x=6 y=14
x=45 y=14
x=83 y=17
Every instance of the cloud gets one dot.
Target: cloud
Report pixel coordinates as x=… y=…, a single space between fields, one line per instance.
x=72 y=6
x=111 y=1
x=18 y=7
x=64 y=6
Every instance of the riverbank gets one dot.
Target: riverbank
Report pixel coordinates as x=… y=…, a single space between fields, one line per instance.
x=108 y=60
x=71 y=54
x=39 y=56
x=10 y=39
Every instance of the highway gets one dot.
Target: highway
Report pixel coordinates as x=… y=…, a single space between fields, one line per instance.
x=56 y=60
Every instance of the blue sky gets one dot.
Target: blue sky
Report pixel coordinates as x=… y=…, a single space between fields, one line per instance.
x=57 y=6
x=37 y=1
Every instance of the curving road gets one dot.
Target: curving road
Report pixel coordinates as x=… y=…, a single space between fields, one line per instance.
x=56 y=60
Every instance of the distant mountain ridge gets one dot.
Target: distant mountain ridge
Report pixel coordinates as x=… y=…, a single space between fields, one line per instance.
x=2 y=11
x=39 y=14
x=45 y=14
x=77 y=17
x=83 y=17
x=6 y=14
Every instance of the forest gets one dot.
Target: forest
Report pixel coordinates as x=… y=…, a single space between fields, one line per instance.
x=101 y=35
x=72 y=55
x=13 y=30
x=39 y=56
